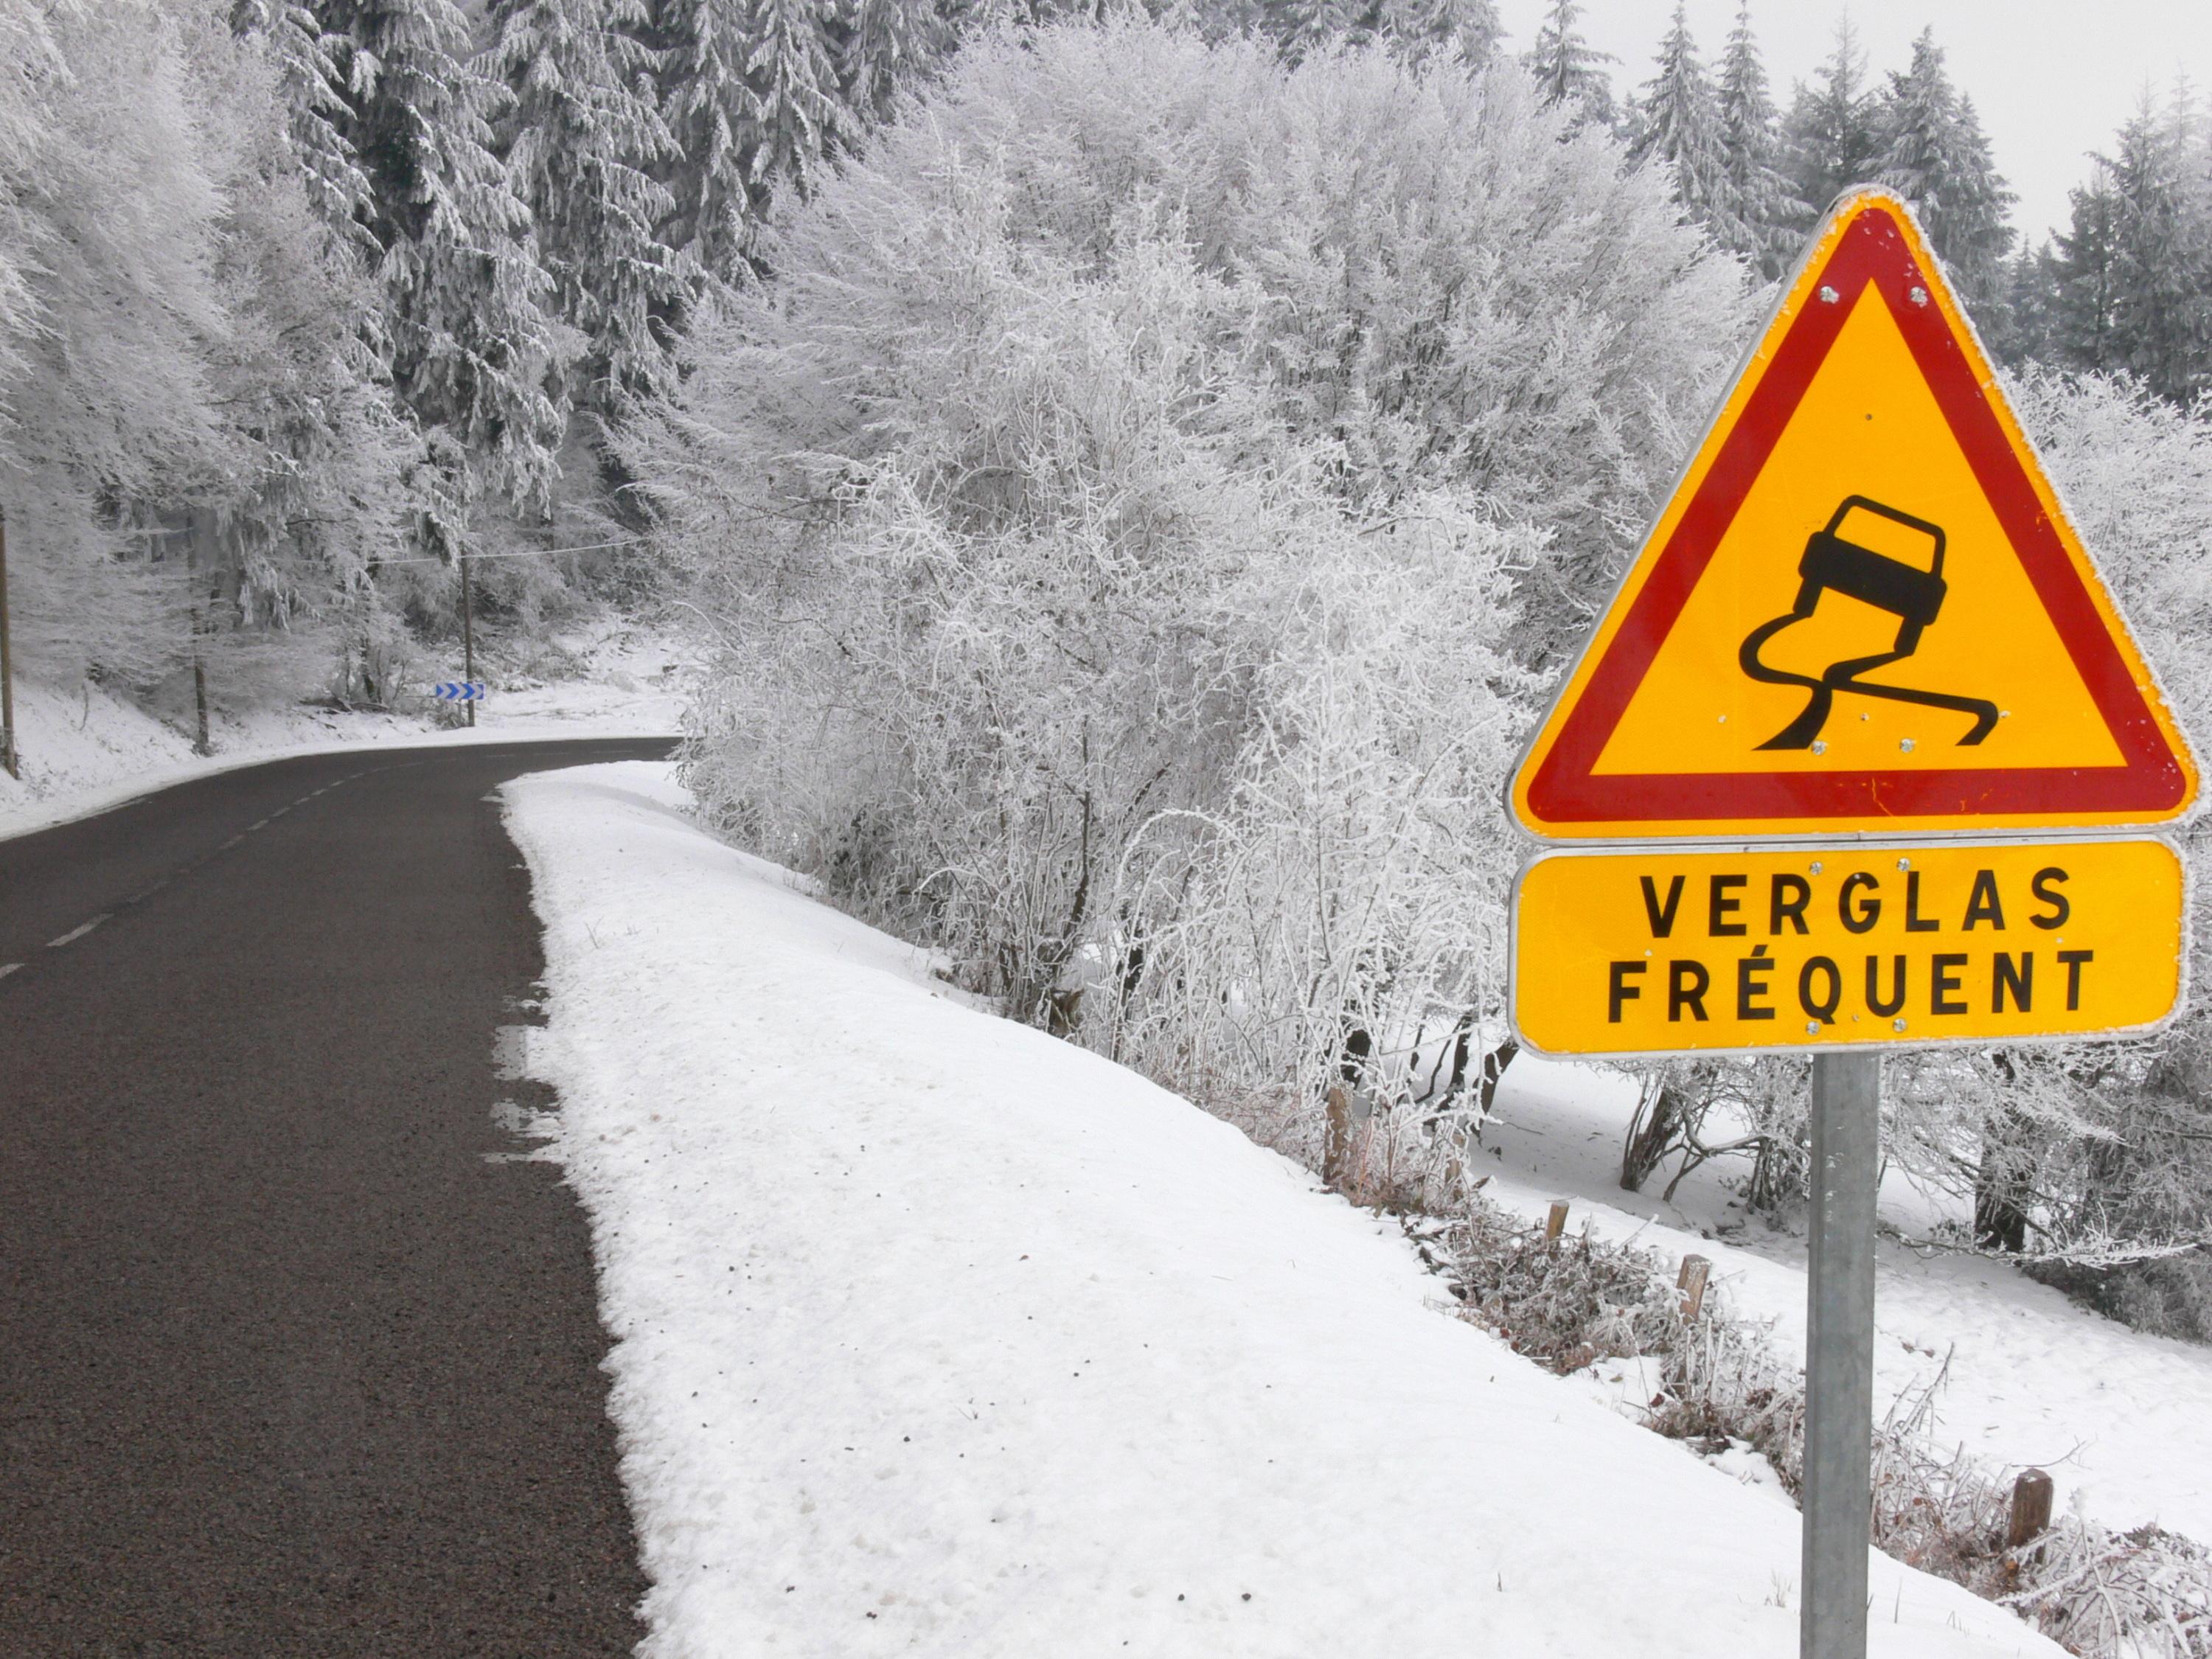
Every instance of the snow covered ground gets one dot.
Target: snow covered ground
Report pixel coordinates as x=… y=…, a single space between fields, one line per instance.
x=2116 y=1416
x=85 y=749
x=936 y=1335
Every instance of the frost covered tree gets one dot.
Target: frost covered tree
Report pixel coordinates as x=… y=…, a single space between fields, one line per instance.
x=711 y=112
x=1933 y=154
x=1760 y=216
x=1568 y=71
x=583 y=136
x=198 y=461
x=1832 y=138
x=473 y=344
x=1678 y=121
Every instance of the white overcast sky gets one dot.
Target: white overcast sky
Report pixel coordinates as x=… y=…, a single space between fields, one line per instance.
x=2051 y=78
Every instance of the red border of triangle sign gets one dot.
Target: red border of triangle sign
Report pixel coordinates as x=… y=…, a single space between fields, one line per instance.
x=1868 y=242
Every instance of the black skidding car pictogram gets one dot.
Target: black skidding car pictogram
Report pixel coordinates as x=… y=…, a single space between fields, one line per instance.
x=1912 y=595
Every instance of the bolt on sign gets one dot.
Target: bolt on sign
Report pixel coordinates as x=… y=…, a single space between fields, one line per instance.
x=1863 y=613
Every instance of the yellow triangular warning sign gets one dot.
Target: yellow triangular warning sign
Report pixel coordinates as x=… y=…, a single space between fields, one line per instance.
x=1863 y=608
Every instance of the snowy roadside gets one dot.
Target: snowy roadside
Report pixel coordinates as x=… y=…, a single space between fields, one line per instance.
x=86 y=750
x=2116 y=1415
x=935 y=1335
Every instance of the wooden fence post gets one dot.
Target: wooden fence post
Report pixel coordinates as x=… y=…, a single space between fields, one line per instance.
x=1555 y=1223
x=1336 y=1135
x=1690 y=1281
x=2031 y=1508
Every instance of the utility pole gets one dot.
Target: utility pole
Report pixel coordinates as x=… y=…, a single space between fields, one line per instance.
x=468 y=636
x=9 y=757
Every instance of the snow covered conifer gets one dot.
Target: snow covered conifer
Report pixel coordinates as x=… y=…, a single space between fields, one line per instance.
x=307 y=70
x=792 y=65
x=1568 y=70
x=755 y=96
x=886 y=42
x=1933 y=153
x=465 y=297
x=2160 y=315
x=1678 y=120
x=1831 y=139
x=1301 y=28
x=1468 y=30
x=1759 y=211
x=714 y=116
x=581 y=134
x=2084 y=268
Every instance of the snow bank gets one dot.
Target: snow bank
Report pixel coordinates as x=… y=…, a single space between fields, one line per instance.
x=936 y=1335
x=2115 y=1414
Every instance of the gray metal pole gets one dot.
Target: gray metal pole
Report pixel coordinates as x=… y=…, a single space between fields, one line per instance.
x=9 y=758
x=1839 y=1356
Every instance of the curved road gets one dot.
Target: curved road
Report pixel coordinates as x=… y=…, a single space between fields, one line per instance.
x=296 y=1357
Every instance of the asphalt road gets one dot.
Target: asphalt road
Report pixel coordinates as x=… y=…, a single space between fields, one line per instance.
x=297 y=1357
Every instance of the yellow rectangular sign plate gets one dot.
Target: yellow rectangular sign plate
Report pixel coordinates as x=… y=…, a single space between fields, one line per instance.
x=1661 y=951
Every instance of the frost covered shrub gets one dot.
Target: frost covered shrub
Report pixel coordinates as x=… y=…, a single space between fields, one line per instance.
x=1023 y=627
x=1572 y=1302
x=1354 y=879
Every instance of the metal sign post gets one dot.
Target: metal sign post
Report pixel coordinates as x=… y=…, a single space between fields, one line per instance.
x=1839 y=1356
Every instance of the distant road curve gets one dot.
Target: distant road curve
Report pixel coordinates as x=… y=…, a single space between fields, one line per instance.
x=296 y=1357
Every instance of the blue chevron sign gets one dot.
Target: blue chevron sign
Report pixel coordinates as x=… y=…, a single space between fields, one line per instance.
x=457 y=690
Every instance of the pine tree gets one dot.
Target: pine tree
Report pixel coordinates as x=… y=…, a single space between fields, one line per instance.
x=793 y=66
x=2086 y=270
x=1760 y=213
x=1934 y=154
x=465 y=298
x=1301 y=28
x=2025 y=325
x=307 y=78
x=1467 y=30
x=1679 y=122
x=2161 y=253
x=714 y=116
x=886 y=44
x=1568 y=70
x=581 y=132
x=1831 y=141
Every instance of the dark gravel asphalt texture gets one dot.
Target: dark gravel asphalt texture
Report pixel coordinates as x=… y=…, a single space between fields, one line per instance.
x=295 y=1358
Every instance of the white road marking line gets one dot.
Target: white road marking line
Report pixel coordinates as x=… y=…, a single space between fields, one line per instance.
x=7 y=968
x=263 y=824
x=76 y=933
x=231 y=842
